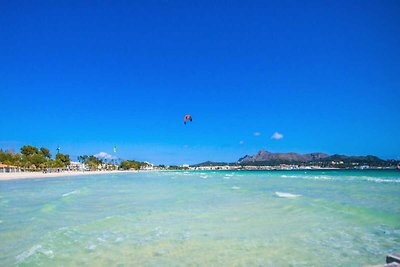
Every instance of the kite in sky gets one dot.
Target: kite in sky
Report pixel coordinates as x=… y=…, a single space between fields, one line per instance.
x=187 y=117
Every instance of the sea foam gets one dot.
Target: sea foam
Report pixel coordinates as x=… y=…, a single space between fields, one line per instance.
x=33 y=250
x=286 y=195
x=70 y=193
x=382 y=180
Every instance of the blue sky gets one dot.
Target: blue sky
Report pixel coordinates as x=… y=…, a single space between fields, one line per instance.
x=88 y=76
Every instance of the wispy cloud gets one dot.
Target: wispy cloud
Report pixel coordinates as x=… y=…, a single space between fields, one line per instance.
x=241 y=142
x=277 y=136
x=104 y=155
x=256 y=133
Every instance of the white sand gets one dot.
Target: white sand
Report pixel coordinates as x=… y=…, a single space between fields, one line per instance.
x=30 y=175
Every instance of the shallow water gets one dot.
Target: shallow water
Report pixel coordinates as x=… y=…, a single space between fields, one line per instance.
x=202 y=218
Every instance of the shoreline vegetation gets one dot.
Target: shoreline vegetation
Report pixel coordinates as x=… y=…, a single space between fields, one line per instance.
x=33 y=159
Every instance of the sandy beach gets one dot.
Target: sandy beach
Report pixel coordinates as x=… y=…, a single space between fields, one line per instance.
x=40 y=175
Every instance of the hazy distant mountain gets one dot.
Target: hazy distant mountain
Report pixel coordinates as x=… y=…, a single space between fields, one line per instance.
x=321 y=159
x=265 y=156
x=211 y=163
x=348 y=159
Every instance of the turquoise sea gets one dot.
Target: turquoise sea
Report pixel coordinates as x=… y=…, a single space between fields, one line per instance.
x=202 y=218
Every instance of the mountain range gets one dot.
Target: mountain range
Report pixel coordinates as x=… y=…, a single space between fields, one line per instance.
x=264 y=157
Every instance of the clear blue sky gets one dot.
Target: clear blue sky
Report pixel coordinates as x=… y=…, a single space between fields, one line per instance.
x=88 y=76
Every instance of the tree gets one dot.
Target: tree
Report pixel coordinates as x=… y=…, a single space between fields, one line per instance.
x=38 y=160
x=5 y=157
x=63 y=159
x=29 y=150
x=32 y=158
x=83 y=159
x=45 y=152
x=132 y=164
x=55 y=164
x=90 y=161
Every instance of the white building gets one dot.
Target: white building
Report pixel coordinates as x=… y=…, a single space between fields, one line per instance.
x=76 y=166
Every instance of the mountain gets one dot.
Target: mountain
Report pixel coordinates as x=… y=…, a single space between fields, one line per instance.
x=211 y=163
x=265 y=156
x=350 y=159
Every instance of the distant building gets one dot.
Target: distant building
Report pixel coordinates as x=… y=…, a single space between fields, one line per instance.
x=107 y=167
x=76 y=166
x=363 y=167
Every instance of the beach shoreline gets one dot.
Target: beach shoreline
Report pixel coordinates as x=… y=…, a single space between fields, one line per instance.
x=40 y=175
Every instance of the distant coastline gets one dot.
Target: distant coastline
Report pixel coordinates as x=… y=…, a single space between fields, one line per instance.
x=34 y=162
x=265 y=160
x=281 y=168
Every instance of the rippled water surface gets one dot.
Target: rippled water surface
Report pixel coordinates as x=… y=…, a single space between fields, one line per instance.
x=276 y=218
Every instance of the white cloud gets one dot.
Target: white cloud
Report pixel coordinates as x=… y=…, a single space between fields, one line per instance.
x=241 y=142
x=257 y=134
x=104 y=155
x=277 y=136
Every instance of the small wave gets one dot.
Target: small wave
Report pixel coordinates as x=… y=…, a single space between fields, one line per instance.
x=290 y=176
x=235 y=187
x=321 y=177
x=228 y=175
x=70 y=193
x=286 y=195
x=307 y=177
x=343 y=178
x=203 y=176
x=382 y=180
x=33 y=250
